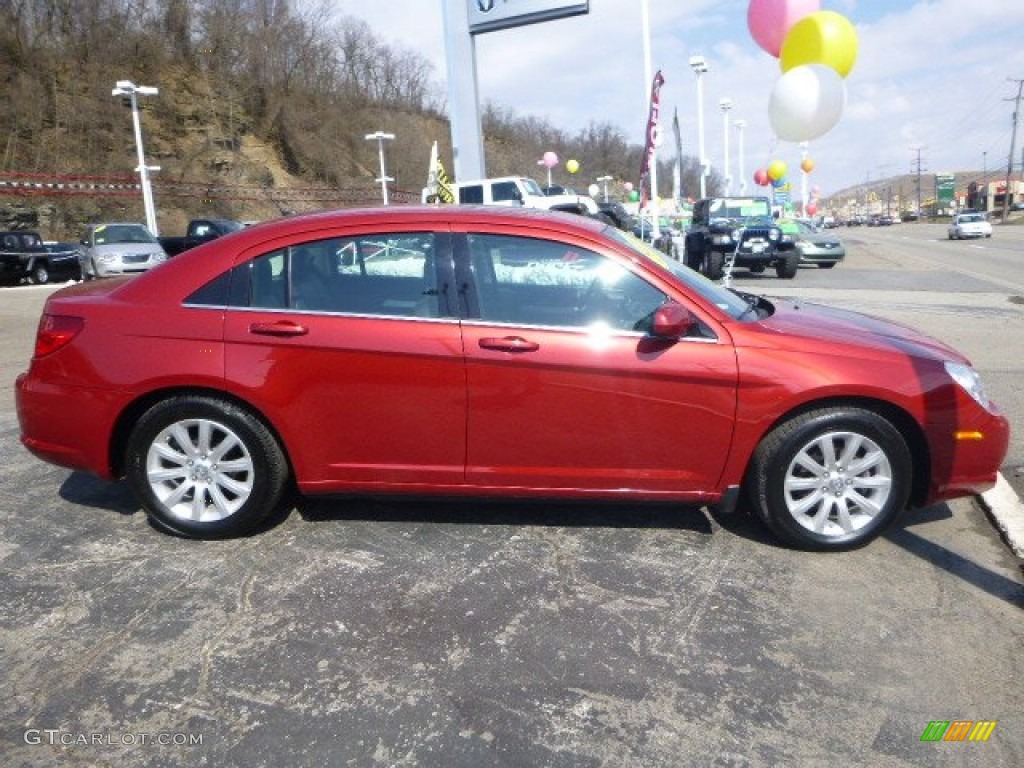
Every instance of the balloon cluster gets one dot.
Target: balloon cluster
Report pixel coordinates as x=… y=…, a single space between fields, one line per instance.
x=811 y=209
x=816 y=49
x=774 y=174
x=549 y=160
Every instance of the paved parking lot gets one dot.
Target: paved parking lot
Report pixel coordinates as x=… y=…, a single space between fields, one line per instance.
x=369 y=632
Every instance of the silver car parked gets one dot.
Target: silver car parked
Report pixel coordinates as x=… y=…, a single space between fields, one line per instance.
x=119 y=248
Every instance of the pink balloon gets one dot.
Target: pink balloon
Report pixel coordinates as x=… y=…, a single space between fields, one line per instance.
x=811 y=209
x=550 y=159
x=628 y=186
x=770 y=20
x=761 y=177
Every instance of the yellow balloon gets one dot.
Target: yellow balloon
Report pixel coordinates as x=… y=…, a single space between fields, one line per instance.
x=824 y=37
x=572 y=166
x=776 y=170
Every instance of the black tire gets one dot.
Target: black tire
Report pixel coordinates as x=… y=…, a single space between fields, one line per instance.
x=714 y=265
x=851 y=506
x=787 y=269
x=40 y=274
x=215 y=487
x=692 y=258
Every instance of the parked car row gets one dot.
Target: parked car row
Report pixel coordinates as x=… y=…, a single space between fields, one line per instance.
x=109 y=249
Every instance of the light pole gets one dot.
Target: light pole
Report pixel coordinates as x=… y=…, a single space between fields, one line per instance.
x=725 y=104
x=604 y=183
x=740 y=125
x=700 y=67
x=803 y=179
x=126 y=88
x=380 y=137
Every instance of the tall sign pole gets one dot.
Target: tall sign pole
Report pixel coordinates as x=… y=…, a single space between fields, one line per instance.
x=463 y=98
x=463 y=20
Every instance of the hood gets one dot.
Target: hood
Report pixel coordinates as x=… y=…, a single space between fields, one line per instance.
x=803 y=322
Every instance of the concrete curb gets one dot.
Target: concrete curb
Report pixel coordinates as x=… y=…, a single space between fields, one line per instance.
x=1007 y=510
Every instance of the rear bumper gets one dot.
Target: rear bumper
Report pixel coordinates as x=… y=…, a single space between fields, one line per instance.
x=66 y=426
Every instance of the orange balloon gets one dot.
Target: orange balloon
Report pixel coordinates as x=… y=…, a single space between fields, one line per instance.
x=807 y=165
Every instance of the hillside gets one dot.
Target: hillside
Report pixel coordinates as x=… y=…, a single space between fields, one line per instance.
x=263 y=108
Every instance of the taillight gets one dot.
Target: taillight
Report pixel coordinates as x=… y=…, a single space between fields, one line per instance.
x=56 y=331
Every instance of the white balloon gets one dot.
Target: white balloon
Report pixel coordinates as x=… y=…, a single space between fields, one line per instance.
x=806 y=102
x=593 y=189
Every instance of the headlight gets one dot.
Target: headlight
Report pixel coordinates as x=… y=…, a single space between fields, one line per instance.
x=737 y=234
x=969 y=380
x=773 y=234
x=158 y=256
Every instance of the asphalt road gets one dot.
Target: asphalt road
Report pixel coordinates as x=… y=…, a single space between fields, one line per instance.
x=400 y=633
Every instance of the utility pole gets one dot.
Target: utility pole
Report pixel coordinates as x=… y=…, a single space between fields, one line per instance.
x=916 y=169
x=1013 y=145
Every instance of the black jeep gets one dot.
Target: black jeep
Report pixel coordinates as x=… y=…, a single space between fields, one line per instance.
x=740 y=228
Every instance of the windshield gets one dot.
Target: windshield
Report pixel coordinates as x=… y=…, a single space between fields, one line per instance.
x=740 y=208
x=723 y=298
x=532 y=188
x=121 y=233
x=230 y=226
x=971 y=217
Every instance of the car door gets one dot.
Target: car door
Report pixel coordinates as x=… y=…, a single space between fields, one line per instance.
x=349 y=346
x=568 y=392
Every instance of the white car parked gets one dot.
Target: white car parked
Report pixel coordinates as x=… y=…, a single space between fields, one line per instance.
x=119 y=249
x=971 y=224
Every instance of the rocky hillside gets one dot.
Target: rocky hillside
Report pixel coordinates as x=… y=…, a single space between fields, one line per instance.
x=263 y=109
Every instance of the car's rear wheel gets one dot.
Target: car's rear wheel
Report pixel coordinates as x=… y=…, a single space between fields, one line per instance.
x=205 y=468
x=831 y=479
x=40 y=273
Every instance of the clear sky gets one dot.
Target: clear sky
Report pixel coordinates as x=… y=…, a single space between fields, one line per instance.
x=930 y=74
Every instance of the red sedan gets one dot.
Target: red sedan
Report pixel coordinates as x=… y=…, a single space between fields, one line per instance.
x=493 y=352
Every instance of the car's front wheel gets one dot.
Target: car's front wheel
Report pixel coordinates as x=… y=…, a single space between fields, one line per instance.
x=204 y=467
x=788 y=267
x=831 y=479
x=714 y=265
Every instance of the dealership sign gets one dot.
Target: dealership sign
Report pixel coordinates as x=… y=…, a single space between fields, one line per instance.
x=490 y=15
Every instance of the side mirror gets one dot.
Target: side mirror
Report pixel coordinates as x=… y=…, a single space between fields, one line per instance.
x=672 y=321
